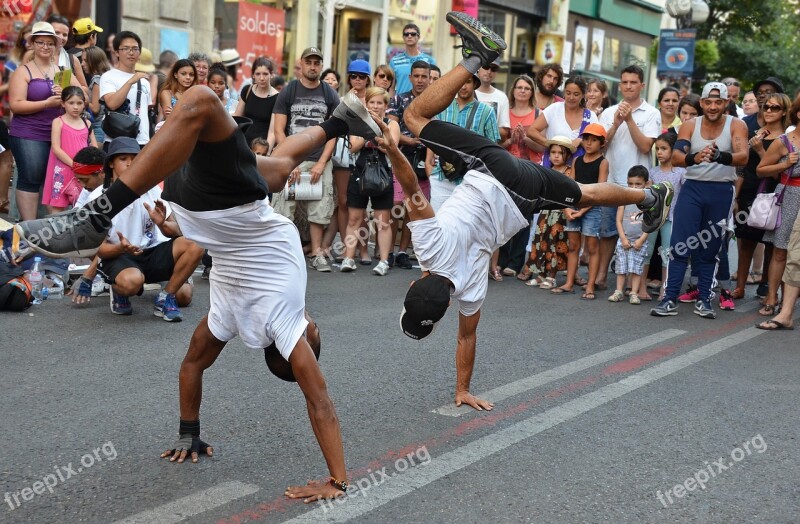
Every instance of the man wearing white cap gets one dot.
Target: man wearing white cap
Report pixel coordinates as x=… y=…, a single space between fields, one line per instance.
x=710 y=147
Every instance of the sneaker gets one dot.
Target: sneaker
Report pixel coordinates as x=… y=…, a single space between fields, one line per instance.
x=762 y=290
x=617 y=296
x=382 y=269
x=206 y=273
x=476 y=38
x=320 y=264
x=726 y=300
x=119 y=305
x=704 y=309
x=67 y=234
x=403 y=261
x=390 y=260
x=348 y=265
x=99 y=286
x=167 y=308
x=634 y=299
x=654 y=217
x=356 y=116
x=665 y=308
x=691 y=295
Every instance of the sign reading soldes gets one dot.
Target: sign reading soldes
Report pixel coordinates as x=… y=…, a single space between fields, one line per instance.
x=259 y=32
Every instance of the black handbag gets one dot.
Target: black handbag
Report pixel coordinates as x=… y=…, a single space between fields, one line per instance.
x=375 y=179
x=121 y=122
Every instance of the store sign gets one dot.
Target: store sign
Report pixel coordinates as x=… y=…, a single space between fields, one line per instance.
x=469 y=7
x=676 y=52
x=259 y=32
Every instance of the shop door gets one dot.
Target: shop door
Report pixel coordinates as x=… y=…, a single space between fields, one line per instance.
x=358 y=39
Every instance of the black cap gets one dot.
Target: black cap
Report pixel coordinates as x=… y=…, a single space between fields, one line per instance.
x=425 y=304
x=122 y=145
x=775 y=81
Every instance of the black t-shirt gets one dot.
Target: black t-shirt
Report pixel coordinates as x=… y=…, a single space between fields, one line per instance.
x=218 y=175
x=259 y=110
x=587 y=172
x=308 y=108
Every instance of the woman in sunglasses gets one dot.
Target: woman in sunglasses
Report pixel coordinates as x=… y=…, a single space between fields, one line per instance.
x=358 y=78
x=384 y=78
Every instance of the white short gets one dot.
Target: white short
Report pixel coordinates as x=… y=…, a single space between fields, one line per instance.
x=258 y=280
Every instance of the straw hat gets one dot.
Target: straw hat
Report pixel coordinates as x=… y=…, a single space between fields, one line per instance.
x=563 y=141
x=43 y=29
x=145 y=63
x=229 y=57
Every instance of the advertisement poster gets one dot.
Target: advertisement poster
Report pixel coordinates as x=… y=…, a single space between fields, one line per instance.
x=676 y=52
x=596 y=49
x=175 y=40
x=566 y=57
x=549 y=49
x=581 y=47
x=259 y=32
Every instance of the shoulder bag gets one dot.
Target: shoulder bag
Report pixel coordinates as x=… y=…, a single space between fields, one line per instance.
x=121 y=122
x=765 y=213
x=375 y=178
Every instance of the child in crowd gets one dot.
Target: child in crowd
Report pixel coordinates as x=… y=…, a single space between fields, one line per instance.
x=631 y=249
x=216 y=80
x=181 y=77
x=664 y=172
x=549 y=247
x=260 y=146
x=591 y=168
x=70 y=133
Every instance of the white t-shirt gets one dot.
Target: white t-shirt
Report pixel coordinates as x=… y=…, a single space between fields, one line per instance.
x=499 y=102
x=459 y=241
x=134 y=221
x=83 y=198
x=622 y=153
x=555 y=115
x=111 y=82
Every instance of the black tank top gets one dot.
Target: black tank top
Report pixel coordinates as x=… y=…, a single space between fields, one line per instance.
x=218 y=175
x=587 y=172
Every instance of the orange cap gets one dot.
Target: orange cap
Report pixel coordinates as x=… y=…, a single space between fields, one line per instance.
x=595 y=130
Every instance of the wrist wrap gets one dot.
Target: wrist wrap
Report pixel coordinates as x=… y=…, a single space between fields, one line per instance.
x=724 y=158
x=189 y=427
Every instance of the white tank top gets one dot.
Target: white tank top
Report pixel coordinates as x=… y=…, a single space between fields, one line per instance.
x=711 y=171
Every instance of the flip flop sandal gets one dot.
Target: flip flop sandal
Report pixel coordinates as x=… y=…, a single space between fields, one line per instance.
x=588 y=296
x=775 y=326
x=581 y=281
x=767 y=310
x=365 y=262
x=509 y=272
x=562 y=291
x=533 y=282
x=496 y=275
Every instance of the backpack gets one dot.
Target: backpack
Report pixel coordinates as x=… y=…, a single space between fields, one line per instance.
x=15 y=291
x=327 y=91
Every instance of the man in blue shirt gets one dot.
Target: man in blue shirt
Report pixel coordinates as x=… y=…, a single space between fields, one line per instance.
x=401 y=62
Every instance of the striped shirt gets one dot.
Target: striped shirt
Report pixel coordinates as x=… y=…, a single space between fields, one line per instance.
x=484 y=123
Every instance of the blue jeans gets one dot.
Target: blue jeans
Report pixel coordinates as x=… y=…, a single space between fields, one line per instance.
x=31 y=157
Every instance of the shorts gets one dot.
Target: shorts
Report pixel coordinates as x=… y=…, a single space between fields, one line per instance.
x=259 y=303
x=791 y=274
x=358 y=201
x=156 y=264
x=399 y=195
x=608 y=222
x=630 y=260
x=531 y=186
x=31 y=157
x=319 y=211
x=588 y=224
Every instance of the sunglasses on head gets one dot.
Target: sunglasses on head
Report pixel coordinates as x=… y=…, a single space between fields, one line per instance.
x=410 y=33
x=359 y=76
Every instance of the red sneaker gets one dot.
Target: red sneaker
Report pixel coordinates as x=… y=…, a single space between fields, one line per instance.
x=726 y=300
x=691 y=295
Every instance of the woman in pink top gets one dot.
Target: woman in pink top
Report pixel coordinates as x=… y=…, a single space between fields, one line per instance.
x=71 y=133
x=522 y=114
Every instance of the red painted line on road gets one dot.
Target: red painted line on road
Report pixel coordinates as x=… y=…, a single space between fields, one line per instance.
x=491 y=418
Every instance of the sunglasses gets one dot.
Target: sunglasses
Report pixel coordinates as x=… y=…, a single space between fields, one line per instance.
x=734 y=84
x=772 y=108
x=382 y=75
x=358 y=76
x=410 y=33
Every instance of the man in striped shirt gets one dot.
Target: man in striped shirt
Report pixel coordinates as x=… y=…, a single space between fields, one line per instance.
x=466 y=112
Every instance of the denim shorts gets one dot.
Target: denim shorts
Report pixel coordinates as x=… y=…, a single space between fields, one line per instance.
x=588 y=224
x=31 y=157
x=608 y=222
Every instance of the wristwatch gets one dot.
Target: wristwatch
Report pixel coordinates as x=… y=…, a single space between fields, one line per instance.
x=340 y=484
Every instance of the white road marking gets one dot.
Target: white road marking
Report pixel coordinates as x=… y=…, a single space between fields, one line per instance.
x=551 y=375
x=479 y=449
x=194 y=504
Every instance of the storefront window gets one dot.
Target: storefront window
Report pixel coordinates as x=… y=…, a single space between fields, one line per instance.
x=632 y=54
x=493 y=18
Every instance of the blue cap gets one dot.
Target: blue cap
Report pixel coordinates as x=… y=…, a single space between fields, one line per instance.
x=122 y=145
x=359 y=66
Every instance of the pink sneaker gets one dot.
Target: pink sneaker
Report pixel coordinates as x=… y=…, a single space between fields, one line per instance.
x=691 y=295
x=726 y=300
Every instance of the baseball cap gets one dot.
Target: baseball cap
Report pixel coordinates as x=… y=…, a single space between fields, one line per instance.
x=712 y=86
x=425 y=304
x=495 y=65
x=84 y=26
x=122 y=145
x=595 y=130
x=358 y=66
x=775 y=81
x=311 y=51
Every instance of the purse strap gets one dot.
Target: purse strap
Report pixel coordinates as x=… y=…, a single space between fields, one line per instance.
x=471 y=116
x=138 y=98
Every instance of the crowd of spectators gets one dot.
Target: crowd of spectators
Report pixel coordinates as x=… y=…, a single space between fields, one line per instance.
x=569 y=123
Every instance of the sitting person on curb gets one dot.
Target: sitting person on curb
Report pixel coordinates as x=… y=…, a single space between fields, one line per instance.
x=144 y=246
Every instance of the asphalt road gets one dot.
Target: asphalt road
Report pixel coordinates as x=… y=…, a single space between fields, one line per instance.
x=601 y=412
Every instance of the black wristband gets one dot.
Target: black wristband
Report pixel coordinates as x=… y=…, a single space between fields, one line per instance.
x=724 y=158
x=689 y=161
x=189 y=427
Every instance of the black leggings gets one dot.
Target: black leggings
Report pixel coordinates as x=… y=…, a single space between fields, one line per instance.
x=531 y=186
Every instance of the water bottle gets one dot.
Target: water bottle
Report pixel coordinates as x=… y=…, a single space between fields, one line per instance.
x=37 y=280
x=56 y=288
